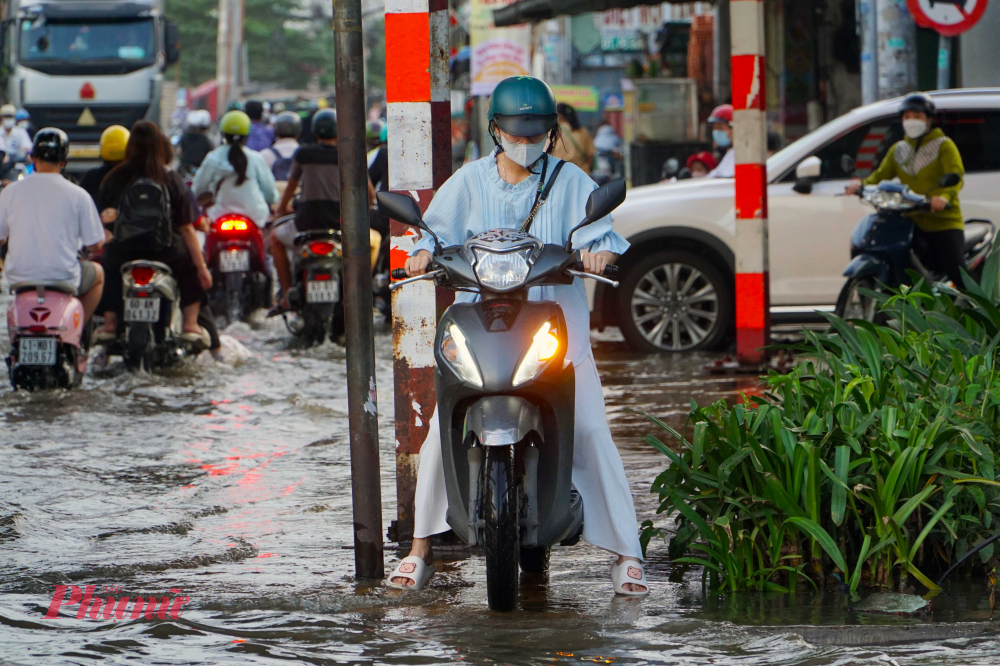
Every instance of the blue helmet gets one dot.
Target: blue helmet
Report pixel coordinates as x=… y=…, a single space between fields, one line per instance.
x=22 y=115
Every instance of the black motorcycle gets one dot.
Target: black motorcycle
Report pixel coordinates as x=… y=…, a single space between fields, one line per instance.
x=882 y=247
x=506 y=393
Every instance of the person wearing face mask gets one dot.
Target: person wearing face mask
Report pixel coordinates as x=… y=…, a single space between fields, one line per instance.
x=23 y=119
x=721 y=122
x=919 y=161
x=521 y=186
x=15 y=138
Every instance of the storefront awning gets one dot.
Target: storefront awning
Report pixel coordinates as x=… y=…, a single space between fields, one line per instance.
x=530 y=11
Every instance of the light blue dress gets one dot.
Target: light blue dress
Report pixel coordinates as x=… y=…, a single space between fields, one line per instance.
x=476 y=199
x=250 y=199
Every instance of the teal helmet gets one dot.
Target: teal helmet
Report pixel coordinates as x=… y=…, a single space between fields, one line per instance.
x=383 y=136
x=523 y=106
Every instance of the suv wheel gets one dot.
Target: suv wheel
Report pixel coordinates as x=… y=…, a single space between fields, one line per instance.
x=675 y=301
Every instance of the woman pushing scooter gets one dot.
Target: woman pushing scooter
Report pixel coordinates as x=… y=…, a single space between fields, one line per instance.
x=521 y=187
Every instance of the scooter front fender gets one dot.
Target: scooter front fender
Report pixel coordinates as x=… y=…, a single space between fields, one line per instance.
x=503 y=420
x=867 y=265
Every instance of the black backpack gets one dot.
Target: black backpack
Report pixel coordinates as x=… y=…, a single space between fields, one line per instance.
x=282 y=165
x=144 y=215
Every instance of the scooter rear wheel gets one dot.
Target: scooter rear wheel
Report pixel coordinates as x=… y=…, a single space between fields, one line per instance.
x=501 y=537
x=535 y=560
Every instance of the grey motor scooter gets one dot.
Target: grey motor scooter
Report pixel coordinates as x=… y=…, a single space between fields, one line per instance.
x=506 y=392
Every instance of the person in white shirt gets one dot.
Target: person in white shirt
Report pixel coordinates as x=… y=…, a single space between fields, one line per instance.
x=721 y=122
x=15 y=138
x=46 y=219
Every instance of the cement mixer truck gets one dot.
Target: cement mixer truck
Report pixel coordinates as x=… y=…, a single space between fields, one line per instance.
x=83 y=65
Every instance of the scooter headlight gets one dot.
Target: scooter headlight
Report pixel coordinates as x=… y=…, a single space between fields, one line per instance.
x=888 y=200
x=455 y=350
x=543 y=349
x=502 y=271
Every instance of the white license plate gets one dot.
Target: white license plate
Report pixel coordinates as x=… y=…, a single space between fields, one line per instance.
x=234 y=261
x=322 y=291
x=142 y=309
x=37 y=351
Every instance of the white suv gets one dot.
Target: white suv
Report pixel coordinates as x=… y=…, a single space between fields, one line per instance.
x=683 y=234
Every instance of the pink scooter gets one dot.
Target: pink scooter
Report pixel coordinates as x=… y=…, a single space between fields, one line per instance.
x=48 y=344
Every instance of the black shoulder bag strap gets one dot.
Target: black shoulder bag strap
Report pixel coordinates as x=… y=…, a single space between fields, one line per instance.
x=544 y=189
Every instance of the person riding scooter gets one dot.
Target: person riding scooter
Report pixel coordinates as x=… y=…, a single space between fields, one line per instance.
x=504 y=191
x=920 y=161
x=195 y=144
x=45 y=219
x=113 y=142
x=287 y=127
x=721 y=122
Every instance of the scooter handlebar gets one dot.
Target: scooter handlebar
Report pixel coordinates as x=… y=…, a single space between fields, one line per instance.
x=399 y=274
x=610 y=271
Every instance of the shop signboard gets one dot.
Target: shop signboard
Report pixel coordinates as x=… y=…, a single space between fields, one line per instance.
x=581 y=98
x=497 y=53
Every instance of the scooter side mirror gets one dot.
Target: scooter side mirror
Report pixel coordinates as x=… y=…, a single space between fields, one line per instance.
x=950 y=180
x=401 y=208
x=602 y=201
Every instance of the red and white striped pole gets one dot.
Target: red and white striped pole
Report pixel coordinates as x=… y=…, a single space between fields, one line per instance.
x=753 y=319
x=417 y=79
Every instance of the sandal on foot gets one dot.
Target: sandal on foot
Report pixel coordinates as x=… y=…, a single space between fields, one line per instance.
x=629 y=571
x=200 y=339
x=413 y=568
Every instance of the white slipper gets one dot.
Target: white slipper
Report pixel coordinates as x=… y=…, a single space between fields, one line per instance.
x=629 y=571
x=414 y=568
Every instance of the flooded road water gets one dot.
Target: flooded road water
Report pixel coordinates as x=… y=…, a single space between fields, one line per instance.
x=231 y=483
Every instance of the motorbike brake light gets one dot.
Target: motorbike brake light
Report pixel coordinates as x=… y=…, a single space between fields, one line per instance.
x=321 y=277
x=36 y=329
x=232 y=224
x=142 y=274
x=321 y=247
x=141 y=294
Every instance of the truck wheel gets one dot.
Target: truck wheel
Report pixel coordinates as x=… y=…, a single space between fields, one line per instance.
x=500 y=529
x=674 y=301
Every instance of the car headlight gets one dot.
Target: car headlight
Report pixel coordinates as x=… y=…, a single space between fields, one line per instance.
x=455 y=350
x=501 y=271
x=543 y=349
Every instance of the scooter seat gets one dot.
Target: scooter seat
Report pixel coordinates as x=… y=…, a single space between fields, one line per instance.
x=976 y=231
x=50 y=285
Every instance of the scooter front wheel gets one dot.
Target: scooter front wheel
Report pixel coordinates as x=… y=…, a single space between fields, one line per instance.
x=853 y=304
x=501 y=538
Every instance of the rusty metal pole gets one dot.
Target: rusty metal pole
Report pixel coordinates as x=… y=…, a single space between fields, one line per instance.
x=417 y=90
x=361 y=398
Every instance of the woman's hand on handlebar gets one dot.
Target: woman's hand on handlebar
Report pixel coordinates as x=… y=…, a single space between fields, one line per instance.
x=595 y=262
x=853 y=187
x=417 y=264
x=938 y=204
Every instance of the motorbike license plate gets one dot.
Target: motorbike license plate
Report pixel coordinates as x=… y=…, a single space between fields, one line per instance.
x=234 y=261
x=322 y=291
x=37 y=351
x=142 y=309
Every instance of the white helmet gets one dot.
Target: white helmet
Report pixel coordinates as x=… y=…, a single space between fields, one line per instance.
x=198 y=119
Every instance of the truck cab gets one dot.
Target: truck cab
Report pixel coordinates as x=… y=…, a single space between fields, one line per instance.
x=84 y=65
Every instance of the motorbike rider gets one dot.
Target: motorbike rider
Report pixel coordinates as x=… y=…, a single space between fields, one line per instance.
x=919 y=161
x=287 y=127
x=501 y=190
x=378 y=174
x=261 y=135
x=144 y=158
x=113 y=142
x=234 y=179
x=23 y=119
x=317 y=168
x=15 y=138
x=195 y=144
x=45 y=219
x=721 y=122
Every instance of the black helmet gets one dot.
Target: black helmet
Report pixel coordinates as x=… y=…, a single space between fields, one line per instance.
x=918 y=102
x=51 y=145
x=288 y=125
x=324 y=124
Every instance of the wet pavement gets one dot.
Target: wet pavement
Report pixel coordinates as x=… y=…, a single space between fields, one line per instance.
x=231 y=483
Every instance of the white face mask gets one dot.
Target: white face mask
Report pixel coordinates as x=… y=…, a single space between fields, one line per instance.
x=915 y=128
x=23 y=124
x=8 y=123
x=524 y=154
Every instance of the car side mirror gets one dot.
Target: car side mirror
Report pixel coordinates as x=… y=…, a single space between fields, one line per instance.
x=602 y=201
x=807 y=173
x=172 y=42
x=847 y=164
x=950 y=180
